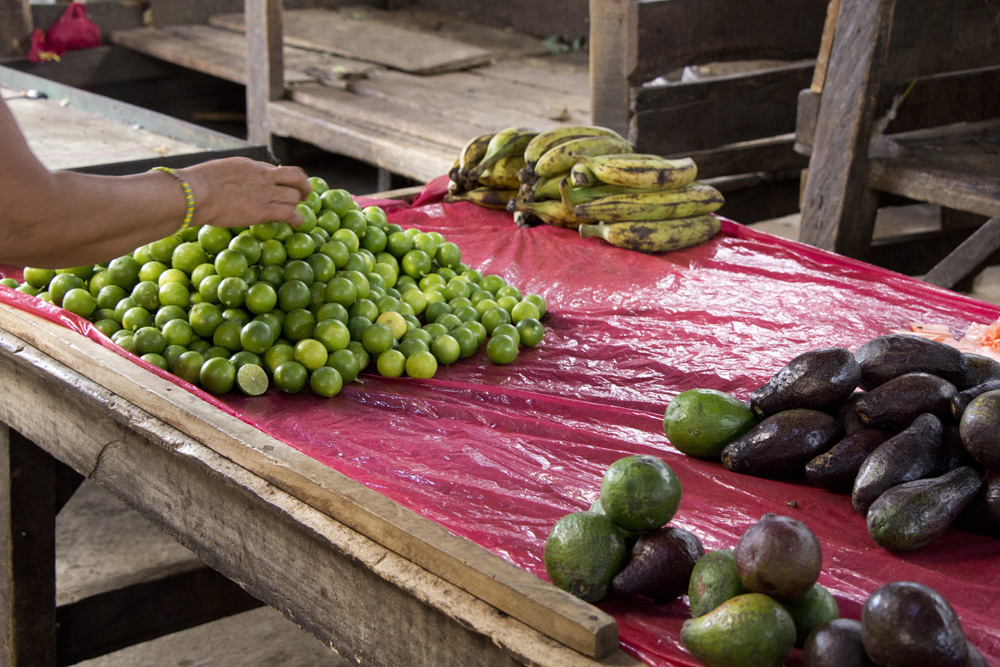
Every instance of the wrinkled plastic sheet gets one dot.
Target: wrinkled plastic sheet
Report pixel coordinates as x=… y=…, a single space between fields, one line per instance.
x=497 y=454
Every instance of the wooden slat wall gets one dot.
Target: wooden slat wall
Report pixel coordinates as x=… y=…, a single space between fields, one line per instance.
x=714 y=112
x=674 y=33
x=965 y=34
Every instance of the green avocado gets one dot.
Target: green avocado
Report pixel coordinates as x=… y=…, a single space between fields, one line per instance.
x=713 y=581
x=749 y=630
x=818 y=379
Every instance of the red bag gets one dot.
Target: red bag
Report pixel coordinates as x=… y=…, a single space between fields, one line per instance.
x=72 y=30
x=39 y=49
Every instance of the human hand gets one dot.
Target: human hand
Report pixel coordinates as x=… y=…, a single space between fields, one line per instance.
x=238 y=192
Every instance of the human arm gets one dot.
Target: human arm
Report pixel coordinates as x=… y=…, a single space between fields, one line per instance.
x=59 y=219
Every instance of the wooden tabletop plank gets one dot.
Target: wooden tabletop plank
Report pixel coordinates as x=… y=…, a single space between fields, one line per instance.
x=370 y=40
x=514 y=591
x=298 y=559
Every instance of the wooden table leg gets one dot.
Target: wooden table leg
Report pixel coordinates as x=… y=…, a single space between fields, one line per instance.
x=27 y=552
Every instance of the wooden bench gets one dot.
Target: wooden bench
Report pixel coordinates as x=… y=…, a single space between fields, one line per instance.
x=908 y=105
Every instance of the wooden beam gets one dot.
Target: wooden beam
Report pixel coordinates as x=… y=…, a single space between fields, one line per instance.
x=838 y=208
x=15 y=27
x=27 y=553
x=609 y=40
x=966 y=257
x=265 y=65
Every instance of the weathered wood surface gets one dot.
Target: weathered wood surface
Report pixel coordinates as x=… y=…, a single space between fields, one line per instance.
x=838 y=208
x=668 y=34
x=427 y=544
x=957 y=167
x=15 y=27
x=825 y=44
x=362 y=36
x=717 y=111
x=747 y=158
x=610 y=40
x=967 y=257
x=265 y=66
x=27 y=553
x=567 y=19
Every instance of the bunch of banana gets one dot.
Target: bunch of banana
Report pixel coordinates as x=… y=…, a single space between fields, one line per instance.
x=486 y=170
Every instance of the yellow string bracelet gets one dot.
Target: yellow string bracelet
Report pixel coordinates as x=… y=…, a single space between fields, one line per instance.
x=188 y=195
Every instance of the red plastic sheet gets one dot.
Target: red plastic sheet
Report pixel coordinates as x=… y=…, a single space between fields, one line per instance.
x=498 y=453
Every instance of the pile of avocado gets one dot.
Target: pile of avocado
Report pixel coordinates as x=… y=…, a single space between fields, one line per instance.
x=908 y=426
x=753 y=604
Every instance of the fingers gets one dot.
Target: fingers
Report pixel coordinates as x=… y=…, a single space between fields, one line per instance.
x=293 y=177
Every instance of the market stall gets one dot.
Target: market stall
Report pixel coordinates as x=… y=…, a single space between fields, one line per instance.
x=490 y=456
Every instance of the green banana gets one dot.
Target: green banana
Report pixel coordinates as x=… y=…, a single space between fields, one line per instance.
x=550 y=211
x=561 y=158
x=551 y=138
x=572 y=196
x=642 y=171
x=656 y=235
x=486 y=197
x=507 y=142
x=546 y=188
x=502 y=175
x=470 y=155
x=690 y=200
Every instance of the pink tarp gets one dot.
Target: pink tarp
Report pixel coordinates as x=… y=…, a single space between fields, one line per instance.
x=498 y=453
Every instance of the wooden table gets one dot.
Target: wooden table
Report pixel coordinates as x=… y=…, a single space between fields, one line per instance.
x=68 y=403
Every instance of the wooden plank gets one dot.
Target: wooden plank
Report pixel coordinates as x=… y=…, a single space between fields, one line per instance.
x=27 y=553
x=370 y=40
x=406 y=155
x=717 y=111
x=746 y=158
x=15 y=27
x=610 y=39
x=967 y=257
x=301 y=561
x=666 y=35
x=265 y=65
x=516 y=592
x=825 y=44
x=957 y=167
x=966 y=32
x=123 y=617
x=566 y=18
x=838 y=209
x=567 y=73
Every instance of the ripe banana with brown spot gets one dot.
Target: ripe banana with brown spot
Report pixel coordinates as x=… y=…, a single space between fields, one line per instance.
x=550 y=211
x=561 y=158
x=642 y=171
x=551 y=138
x=471 y=155
x=502 y=175
x=506 y=142
x=572 y=196
x=490 y=198
x=687 y=201
x=656 y=235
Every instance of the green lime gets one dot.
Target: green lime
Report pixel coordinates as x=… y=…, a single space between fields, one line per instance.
x=507 y=329
x=204 y=318
x=251 y=379
x=149 y=339
x=178 y=332
x=446 y=349
x=208 y=288
x=360 y=282
x=467 y=341
x=214 y=240
x=290 y=377
x=391 y=363
x=124 y=271
x=231 y=263
x=39 y=278
x=332 y=311
x=346 y=363
x=337 y=200
x=298 y=324
x=298 y=269
x=355 y=221
x=249 y=245
x=276 y=355
x=62 y=283
x=333 y=334
x=501 y=350
x=244 y=357
x=260 y=298
x=524 y=310
x=155 y=359
x=299 y=245
x=79 y=301
x=171 y=353
x=294 y=294
x=701 y=422
x=640 y=492
x=256 y=337
x=582 y=553
x=421 y=364
x=232 y=292
x=449 y=254
x=416 y=263
x=531 y=330
x=395 y=322
x=328 y=221
x=135 y=318
x=377 y=338
x=322 y=265
x=107 y=326
x=187 y=256
x=326 y=381
x=318 y=185
x=174 y=294
x=217 y=375
x=310 y=353
x=163 y=250
x=227 y=336
x=341 y=290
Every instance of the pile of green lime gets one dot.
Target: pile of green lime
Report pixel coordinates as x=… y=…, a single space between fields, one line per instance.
x=318 y=304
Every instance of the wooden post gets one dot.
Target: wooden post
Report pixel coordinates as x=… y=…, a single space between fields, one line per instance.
x=27 y=553
x=838 y=208
x=265 y=65
x=609 y=98
x=15 y=27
